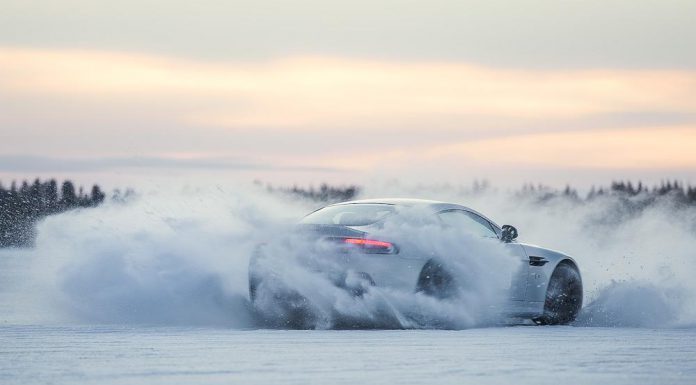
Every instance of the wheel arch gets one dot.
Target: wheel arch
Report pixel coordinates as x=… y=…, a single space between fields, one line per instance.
x=565 y=260
x=568 y=261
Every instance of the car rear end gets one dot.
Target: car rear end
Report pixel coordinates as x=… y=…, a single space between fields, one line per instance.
x=347 y=252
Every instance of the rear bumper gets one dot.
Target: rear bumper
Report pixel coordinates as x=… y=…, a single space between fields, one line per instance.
x=387 y=271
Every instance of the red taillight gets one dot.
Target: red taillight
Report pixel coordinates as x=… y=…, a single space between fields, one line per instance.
x=372 y=245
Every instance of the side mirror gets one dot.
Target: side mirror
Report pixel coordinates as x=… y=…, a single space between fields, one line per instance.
x=509 y=233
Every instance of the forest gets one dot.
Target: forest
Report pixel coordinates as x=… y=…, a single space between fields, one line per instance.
x=22 y=207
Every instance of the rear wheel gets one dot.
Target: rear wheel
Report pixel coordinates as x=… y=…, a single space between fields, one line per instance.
x=436 y=281
x=563 y=296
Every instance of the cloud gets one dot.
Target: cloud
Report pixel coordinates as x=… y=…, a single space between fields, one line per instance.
x=654 y=148
x=337 y=112
x=23 y=163
x=661 y=148
x=313 y=93
x=524 y=34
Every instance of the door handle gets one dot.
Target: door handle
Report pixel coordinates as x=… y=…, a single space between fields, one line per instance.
x=537 y=261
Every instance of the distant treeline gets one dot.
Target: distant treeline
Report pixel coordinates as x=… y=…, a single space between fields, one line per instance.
x=21 y=207
x=325 y=193
x=675 y=191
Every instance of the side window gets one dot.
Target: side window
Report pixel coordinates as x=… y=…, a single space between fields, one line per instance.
x=468 y=222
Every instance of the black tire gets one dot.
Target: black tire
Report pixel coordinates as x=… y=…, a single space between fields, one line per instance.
x=563 y=296
x=436 y=281
x=285 y=310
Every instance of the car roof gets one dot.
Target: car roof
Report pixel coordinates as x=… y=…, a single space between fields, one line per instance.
x=409 y=202
x=394 y=201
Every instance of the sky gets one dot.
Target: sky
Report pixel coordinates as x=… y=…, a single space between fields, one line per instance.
x=552 y=92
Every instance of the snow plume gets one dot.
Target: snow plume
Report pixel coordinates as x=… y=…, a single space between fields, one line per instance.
x=177 y=259
x=181 y=259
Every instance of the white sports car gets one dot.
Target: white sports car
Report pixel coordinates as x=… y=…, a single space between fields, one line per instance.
x=546 y=288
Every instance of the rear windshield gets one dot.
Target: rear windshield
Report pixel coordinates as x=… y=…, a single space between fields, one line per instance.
x=358 y=214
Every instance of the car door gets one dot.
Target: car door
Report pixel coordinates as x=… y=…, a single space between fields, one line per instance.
x=477 y=225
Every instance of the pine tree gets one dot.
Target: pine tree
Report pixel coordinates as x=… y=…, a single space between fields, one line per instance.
x=96 y=196
x=52 y=196
x=68 y=197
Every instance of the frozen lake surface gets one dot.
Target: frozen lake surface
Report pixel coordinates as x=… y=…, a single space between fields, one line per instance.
x=519 y=355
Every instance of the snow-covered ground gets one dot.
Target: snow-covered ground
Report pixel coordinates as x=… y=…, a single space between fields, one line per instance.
x=508 y=355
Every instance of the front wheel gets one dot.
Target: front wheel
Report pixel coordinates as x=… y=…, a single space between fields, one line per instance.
x=563 y=296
